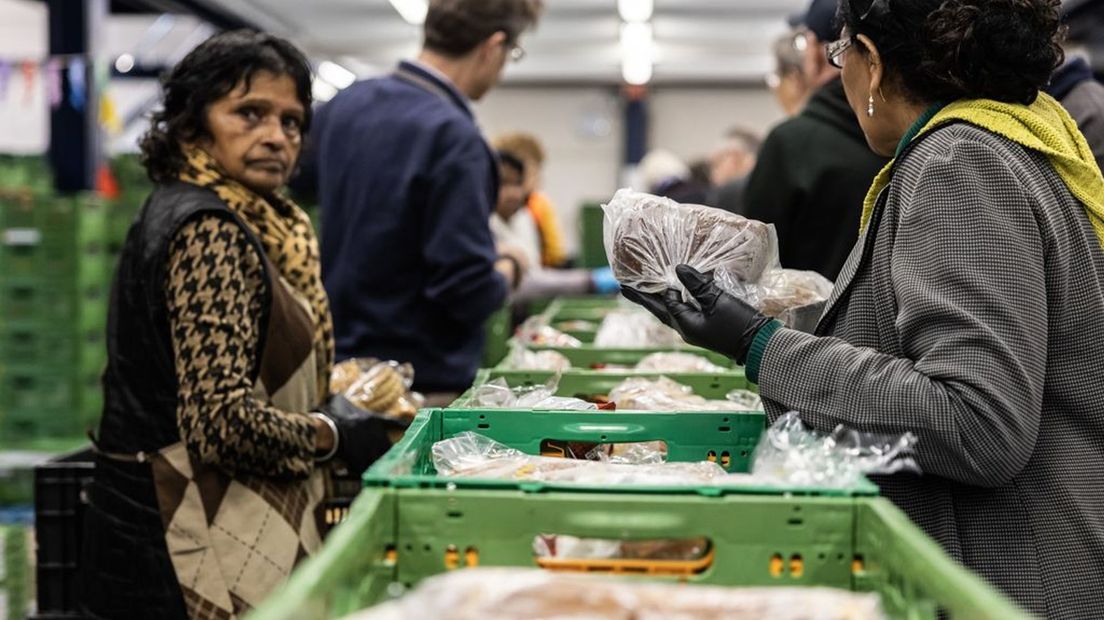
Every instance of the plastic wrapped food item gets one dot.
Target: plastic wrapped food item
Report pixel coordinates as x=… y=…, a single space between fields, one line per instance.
x=382 y=387
x=792 y=455
x=677 y=362
x=646 y=237
x=571 y=547
x=746 y=400
x=512 y=594
x=664 y=394
x=497 y=394
x=470 y=455
x=576 y=326
x=635 y=329
x=521 y=358
x=536 y=331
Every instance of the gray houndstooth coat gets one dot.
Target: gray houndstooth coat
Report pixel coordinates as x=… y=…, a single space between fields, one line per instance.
x=972 y=313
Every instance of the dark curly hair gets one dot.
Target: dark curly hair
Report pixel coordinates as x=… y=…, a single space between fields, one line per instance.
x=943 y=50
x=204 y=76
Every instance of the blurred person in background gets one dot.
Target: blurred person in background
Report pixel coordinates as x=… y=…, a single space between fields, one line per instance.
x=216 y=410
x=1075 y=86
x=729 y=168
x=527 y=148
x=407 y=184
x=513 y=227
x=971 y=310
x=813 y=169
x=662 y=173
x=788 y=81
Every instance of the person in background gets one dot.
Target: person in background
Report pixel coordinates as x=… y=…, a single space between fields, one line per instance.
x=787 y=81
x=527 y=148
x=513 y=226
x=662 y=173
x=407 y=186
x=1074 y=85
x=813 y=169
x=730 y=166
x=972 y=309
x=216 y=412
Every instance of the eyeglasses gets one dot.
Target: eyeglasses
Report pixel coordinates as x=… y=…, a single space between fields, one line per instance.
x=834 y=51
x=517 y=53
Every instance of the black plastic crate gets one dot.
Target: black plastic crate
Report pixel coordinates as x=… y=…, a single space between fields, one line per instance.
x=60 y=500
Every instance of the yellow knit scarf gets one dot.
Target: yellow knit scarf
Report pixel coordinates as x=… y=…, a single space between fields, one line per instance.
x=287 y=236
x=1043 y=126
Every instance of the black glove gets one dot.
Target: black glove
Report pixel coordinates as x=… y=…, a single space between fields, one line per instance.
x=724 y=324
x=361 y=435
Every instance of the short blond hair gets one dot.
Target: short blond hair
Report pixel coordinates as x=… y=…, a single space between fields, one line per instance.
x=523 y=145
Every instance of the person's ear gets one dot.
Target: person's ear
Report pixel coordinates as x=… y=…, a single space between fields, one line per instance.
x=494 y=43
x=873 y=60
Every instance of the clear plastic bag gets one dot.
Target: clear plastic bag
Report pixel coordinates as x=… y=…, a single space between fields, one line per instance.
x=663 y=394
x=746 y=400
x=646 y=237
x=513 y=593
x=470 y=455
x=521 y=358
x=677 y=362
x=575 y=548
x=536 y=331
x=635 y=329
x=382 y=387
x=792 y=455
x=497 y=394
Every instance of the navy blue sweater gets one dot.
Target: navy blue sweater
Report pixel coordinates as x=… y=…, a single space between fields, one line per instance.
x=406 y=183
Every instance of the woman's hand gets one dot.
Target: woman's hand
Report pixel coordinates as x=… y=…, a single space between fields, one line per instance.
x=724 y=323
x=361 y=436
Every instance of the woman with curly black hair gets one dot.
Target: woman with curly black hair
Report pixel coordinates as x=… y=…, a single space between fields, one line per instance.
x=971 y=311
x=213 y=448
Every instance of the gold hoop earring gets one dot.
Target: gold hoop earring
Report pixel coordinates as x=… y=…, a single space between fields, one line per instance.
x=870 y=107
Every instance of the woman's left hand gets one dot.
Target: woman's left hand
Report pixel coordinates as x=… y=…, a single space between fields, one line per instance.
x=725 y=323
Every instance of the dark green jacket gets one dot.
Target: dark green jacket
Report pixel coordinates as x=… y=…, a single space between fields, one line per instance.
x=813 y=173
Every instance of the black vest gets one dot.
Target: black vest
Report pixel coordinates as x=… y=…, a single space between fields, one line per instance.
x=140 y=386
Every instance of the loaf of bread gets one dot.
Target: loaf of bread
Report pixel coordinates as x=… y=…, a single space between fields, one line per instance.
x=648 y=236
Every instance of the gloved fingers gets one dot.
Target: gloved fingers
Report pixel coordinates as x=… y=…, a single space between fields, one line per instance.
x=676 y=307
x=651 y=302
x=698 y=284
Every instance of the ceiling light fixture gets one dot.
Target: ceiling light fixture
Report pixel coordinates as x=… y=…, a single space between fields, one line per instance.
x=336 y=74
x=637 y=52
x=413 y=11
x=124 y=63
x=322 y=90
x=634 y=11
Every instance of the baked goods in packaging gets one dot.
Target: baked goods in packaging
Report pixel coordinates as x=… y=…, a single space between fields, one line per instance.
x=646 y=237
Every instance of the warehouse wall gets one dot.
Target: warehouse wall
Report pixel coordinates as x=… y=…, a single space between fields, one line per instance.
x=24 y=121
x=690 y=121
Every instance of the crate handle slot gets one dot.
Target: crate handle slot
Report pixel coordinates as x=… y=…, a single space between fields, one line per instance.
x=670 y=568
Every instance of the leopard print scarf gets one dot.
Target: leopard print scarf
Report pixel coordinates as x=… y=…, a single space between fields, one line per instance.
x=288 y=239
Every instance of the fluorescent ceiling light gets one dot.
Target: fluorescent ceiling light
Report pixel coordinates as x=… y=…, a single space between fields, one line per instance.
x=637 y=52
x=336 y=74
x=124 y=63
x=413 y=11
x=632 y=10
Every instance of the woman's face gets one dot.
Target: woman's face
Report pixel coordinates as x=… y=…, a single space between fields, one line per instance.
x=256 y=135
x=862 y=77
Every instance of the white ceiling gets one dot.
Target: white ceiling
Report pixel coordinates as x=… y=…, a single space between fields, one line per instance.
x=700 y=41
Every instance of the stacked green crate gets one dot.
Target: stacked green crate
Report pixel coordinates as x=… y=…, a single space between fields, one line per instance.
x=592 y=249
x=410 y=524
x=54 y=274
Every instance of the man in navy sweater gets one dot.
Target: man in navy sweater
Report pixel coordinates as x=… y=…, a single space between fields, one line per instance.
x=407 y=184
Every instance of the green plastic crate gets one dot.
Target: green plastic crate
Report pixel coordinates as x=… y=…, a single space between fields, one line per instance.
x=592 y=249
x=496 y=337
x=403 y=528
x=725 y=437
x=589 y=356
x=590 y=382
